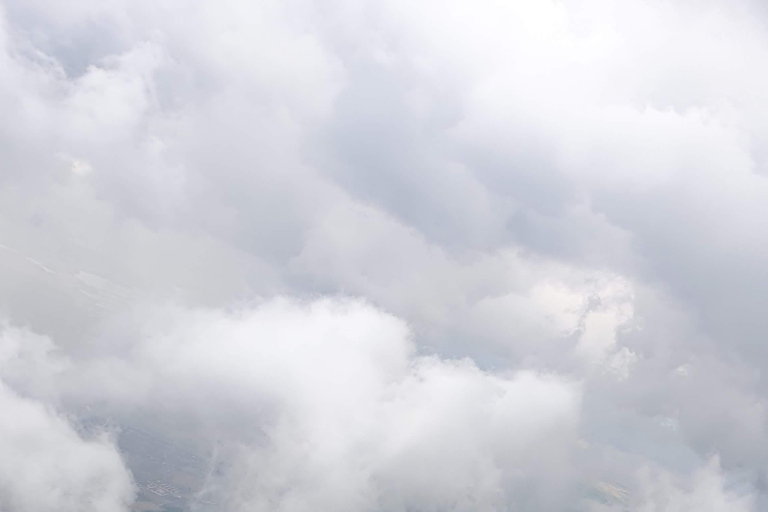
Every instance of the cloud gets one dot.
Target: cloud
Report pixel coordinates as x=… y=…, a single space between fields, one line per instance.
x=706 y=490
x=328 y=404
x=538 y=193
x=47 y=465
x=351 y=418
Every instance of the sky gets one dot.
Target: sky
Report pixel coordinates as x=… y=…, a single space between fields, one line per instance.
x=387 y=255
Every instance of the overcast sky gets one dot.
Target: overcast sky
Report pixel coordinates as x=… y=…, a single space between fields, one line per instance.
x=391 y=255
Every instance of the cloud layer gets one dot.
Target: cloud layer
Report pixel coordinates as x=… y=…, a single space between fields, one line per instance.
x=386 y=255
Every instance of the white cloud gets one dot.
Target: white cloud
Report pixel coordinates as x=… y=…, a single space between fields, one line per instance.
x=47 y=466
x=330 y=401
x=706 y=490
x=560 y=191
x=354 y=419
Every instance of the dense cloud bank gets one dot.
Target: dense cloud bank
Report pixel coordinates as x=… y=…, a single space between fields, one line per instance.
x=386 y=255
